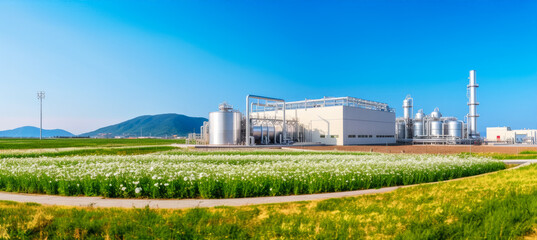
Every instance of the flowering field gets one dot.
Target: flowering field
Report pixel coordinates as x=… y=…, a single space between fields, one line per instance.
x=229 y=176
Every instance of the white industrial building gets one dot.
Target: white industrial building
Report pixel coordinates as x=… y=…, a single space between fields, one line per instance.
x=508 y=136
x=329 y=120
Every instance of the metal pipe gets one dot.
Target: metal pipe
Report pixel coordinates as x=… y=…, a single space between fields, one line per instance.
x=247 y=120
x=284 y=124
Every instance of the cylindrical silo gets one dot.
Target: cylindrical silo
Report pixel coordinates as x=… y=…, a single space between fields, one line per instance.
x=454 y=129
x=407 y=107
x=419 y=115
x=225 y=126
x=418 y=129
x=435 y=128
x=436 y=114
x=401 y=130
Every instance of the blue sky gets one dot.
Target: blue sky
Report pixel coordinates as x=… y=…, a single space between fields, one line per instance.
x=102 y=62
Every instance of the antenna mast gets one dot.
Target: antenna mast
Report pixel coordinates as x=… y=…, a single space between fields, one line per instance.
x=40 y=96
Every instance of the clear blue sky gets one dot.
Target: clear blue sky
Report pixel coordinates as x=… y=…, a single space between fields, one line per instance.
x=102 y=62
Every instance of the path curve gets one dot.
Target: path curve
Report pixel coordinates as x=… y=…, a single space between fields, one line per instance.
x=194 y=203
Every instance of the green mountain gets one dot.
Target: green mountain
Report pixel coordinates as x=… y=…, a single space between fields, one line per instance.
x=33 y=132
x=152 y=125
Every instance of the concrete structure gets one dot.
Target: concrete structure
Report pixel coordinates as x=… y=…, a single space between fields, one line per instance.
x=507 y=136
x=334 y=121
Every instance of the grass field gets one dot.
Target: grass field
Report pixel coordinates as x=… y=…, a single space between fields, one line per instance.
x=117 y=151
x=220 y=175
x=505 y=156
x=13 y=143
x=500 y=205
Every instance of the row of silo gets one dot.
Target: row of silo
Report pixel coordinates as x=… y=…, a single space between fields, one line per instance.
x=435 y=128
x=429 y=126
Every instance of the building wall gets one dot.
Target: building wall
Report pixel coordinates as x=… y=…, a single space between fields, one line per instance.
x=333 y=125
x=505 y=134
x=380 y=126
x=498 y=133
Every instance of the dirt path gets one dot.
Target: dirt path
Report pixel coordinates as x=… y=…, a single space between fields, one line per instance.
x=193 y=203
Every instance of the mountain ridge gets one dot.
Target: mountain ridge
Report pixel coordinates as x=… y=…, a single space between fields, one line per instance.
x=160 y=125
x=33 y=132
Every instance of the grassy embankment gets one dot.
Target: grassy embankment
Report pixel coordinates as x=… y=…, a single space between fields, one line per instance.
x=12 y=143
x=506 y=156
x=500 y=205
x=90 y=152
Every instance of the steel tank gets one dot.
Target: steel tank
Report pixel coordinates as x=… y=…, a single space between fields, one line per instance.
x=418 y=129
x=401 y=130
x=454 y=129
x=435 y=128
x=436 y=114
x=225 y=126
x=407 y=106
x=419 y=115
x=264 y=134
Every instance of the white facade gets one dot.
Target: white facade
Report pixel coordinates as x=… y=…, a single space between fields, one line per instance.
x=506 y=135
x=339 y=124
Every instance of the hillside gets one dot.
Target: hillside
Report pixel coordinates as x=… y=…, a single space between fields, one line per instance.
x=33 y=132
x=152 y=125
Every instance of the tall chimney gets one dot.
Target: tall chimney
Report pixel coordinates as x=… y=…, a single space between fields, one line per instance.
x=472 y=104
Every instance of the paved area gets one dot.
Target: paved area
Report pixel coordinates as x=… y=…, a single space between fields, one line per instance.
x=194 y=203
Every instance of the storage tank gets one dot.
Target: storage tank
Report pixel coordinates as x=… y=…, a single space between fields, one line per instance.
x=419 y=115
x=263 y=133
x=454 y=129
x=418 y=129
x=436 y=128
x=225 y=126
x=436 y=114
x=407 y=107
x=401 y=130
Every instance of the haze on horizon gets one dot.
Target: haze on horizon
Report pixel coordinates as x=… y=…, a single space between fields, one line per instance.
x=103 y=62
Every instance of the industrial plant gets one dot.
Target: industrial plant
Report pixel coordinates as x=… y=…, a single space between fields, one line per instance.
x=436 y=129
x=336 y=121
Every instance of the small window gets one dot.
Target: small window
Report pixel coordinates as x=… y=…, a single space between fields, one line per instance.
x=352 y=136
x=323 y=136
x=385 y=136
x=334 y=136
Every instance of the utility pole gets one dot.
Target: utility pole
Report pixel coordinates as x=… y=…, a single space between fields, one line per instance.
x=40 y=96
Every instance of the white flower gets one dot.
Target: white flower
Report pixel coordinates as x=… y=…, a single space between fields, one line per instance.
x=137 y=190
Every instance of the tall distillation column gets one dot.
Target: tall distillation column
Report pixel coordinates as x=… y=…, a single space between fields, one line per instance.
x=407 y=108
x=472 y=104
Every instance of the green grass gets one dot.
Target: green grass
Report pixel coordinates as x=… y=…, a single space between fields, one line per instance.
x=500 y=205
x=503 y=156
x=227 y=176
x=528 y=152
x=12 y=143
x=90 y=152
